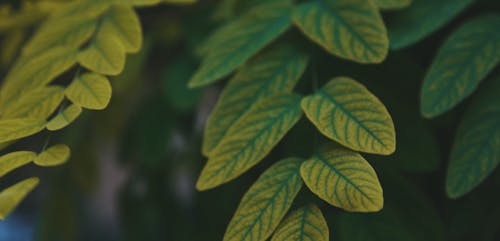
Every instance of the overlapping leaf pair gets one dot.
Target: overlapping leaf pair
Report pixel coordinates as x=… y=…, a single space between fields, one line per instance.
x=258 y=107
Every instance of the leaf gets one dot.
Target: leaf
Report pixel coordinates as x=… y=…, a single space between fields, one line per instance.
x=32 y=73
x=123 y=23
x=346 y=112
x=475 y=153
x=53 y=156
x=141 y=3
x=13 y=195
x=90 y=90
x=306 y=223
x=465 y=59
x=349 y=29
x=344 y=179
x=392 y=4
x=266 y=202
x=104 y=55
x=421 y=19
x=13 y=160
x=250 y=139
x=275 y=71
x=64 y=118
x=13 y=129
x=35 y=104
x=233 y=44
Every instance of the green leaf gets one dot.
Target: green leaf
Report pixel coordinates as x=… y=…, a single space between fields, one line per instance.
x=275 y=71
x=345 y=111
x=13 y=160
x=421 y=19
x=13 y=129
x=306 y=223
x=32 y=73
x=35 y=104
x=53 y=156
x=392 y=4
x=90 y=90
x=250 y=139
x=266 y=202
x=349 y=29
x=13 y=195
x=233 y=44
x=344 y=179
x=64 y=118
x=105 y=54
x=465 y=59
x=123 y=23
x=476 y=149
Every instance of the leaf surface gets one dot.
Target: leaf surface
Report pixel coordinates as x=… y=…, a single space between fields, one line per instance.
x=266 y=202
x=250 y=139
x=123 y=23
x=465 y=58
x=36 y=104
x=90 y=90
x=349 y=29
x=13 y=195
x=345 y=111
x=13 y=160
x=273 y=72
x=392 y=4
x=64 y=118
x=13 y=129
x=344 y=179
x=105 y=54
x=304 y=224
x=53 y=156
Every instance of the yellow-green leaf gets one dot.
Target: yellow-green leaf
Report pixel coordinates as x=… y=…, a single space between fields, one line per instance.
x=13 y=195
x=349 y=29
x=422 y=18
x=250 y=139
x=35 y=104
x=32 y=73
x=392 y=4
x=90 y=90
x=304 y=224
x=53 y=156
x=137 y=2
x=465 y=58
x=235 y=43
x=64 y=118
x=104 y=55
x=476 y=150
x=266 y=202
x=13 y=129
x=13 y=160
x=273 y=72
x=123 y=23
x=344 y=179
x=346 y=112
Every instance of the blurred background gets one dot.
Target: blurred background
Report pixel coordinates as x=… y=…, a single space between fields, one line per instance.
x=133 y=166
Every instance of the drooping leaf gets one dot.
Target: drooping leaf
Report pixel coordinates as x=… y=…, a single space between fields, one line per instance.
x=105 y=54
x=465 y=59
x=123 y=23
x=13 y=129
x=235 y=43
x=32 y=73
x=13 y=160
x=350 y=29
x=90 y=90
x=64 y=118
x=306 y=223
x=250 y=139
x=273 y=72
x=53 y=156
x=35 y=104
x=344 y=179
x=266 y=202
x=476 y=149
x=345 y=111
x=421 y=19
x=11 y=45
x=392 y=4
x=13 y=195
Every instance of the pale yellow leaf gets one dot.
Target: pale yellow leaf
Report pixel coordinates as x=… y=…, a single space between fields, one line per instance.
x=90 y=90
x=53 y=156
x=35 y=104
x=64 y=118
x=13 y=160
x=13 y=195
x=13 y=129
